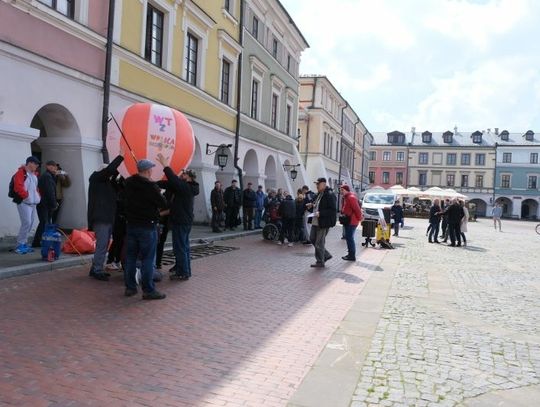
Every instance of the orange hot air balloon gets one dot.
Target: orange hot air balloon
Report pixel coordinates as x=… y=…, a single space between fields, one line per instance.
x=151 y=129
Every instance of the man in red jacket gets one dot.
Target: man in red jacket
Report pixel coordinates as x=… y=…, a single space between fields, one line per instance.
x=26 y=196
x=350 y=208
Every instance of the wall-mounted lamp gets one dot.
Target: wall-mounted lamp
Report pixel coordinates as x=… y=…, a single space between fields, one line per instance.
x=221 y=153
x=292 y=168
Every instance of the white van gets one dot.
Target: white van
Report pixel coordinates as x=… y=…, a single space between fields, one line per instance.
x=373 y=201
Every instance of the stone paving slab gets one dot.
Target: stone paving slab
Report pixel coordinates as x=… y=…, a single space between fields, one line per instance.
x=243 y=331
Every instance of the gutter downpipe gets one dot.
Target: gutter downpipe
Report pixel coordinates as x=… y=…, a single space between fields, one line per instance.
x=239 y=97
x=363 y=160
x=494 y=178
x=341 y=154
x=107 y=82
x=354 y=151
x=316 y=79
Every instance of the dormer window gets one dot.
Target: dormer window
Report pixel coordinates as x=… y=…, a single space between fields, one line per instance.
x=529 y=136
x=477 y=137
x=505 y=135
x=396 y=137
x=447 y=137
x=426 y=137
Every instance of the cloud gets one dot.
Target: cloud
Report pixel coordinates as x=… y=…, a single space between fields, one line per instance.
x=478 y=99
x=473 y=23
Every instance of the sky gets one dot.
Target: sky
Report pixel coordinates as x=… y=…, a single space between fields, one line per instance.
x=428 y=64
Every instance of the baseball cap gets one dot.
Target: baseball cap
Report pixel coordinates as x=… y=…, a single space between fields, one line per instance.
x=190 y=173
x=319 y=180
x=33 y=159
x=144 y=164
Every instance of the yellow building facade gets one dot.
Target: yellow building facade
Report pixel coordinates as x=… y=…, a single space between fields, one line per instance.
x=183 y=54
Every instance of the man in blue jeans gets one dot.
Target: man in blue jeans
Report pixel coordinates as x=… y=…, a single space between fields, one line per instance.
x=184 y=189
x=142 y=202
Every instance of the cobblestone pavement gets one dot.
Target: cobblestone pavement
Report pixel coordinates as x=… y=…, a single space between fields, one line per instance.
x=243 y=331
x=459 y=322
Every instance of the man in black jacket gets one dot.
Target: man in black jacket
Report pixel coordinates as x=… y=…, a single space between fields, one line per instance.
x=217 y=204
x=324 y=209
x=249 y=202
x=48 y=204
x=287 y=212
x=142 y=202
x=102 y=196
x=184 y=189
x=455 y=215
x=233 y=199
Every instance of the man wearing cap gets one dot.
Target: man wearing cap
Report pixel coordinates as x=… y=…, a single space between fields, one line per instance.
x=26 y=196
x=249 y=202
x=216 y=201
x=324 y=209
x=48 y=204
x=233 y=199
x=185 y=188
x=102 y=204
x=142 y=202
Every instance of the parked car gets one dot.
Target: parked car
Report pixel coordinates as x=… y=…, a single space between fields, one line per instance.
x=373 y=201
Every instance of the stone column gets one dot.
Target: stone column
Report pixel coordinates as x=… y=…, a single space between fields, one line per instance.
x=15 y=146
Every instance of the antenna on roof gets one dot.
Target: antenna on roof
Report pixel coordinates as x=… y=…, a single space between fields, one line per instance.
x=455 y=129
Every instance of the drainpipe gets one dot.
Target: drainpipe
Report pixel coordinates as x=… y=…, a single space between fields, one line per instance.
x=309 y=121
x=341 y=153
x=354 y=151
x=494 y=178
x=363 y=160
x=107 y=82
x=239 y=97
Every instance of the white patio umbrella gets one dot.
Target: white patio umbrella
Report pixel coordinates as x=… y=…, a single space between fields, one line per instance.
x=399 y=190
x=413 y=191
x=435 y=191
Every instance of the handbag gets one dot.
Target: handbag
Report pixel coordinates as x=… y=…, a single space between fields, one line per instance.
x=345 y=220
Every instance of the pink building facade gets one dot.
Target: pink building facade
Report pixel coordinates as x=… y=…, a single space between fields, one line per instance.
x=52 y=59
x=388 y=158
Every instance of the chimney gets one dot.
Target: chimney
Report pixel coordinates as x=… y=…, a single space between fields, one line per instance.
x=489 y=131
x=413 y=130
x=496 y=131
x=455 y=129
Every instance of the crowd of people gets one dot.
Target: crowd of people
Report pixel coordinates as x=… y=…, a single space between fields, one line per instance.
x=450 y=218
x=138 y=213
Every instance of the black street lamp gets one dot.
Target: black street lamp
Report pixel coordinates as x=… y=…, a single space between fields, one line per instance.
x=292 y=167
x=221 y=153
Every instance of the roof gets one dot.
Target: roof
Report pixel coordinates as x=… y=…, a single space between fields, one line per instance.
x=459 y=139
x=381 y=139
x=518 y=139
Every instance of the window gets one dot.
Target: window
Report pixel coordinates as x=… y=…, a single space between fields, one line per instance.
x=274 y=48
x=505 y=181
x=288 y=118
x=372 y=177
x=447 y=137
x=337 y=150
x=386 y=155
x=477 y=137
x=529 y=136
x=399 y=178
x=65 y=7
x=479 y=181
x=466 y=159
x=225 y=80
x=450 y=180
x=192 y=55
x=423 y=158
x=386 y=177
x=422 y=178
x=255 y=27
x=505 y=135
x=437 y=158
x=254 y=99
x=426 y=137
x=507 y=157
x=534 y=158
x=480 y=159
x=531 y=184
x=400 y=156
x=289 y=60
x=274 y=113
x=372 y=155
x=464 y=180
x=153 y=49
x=451 y=159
